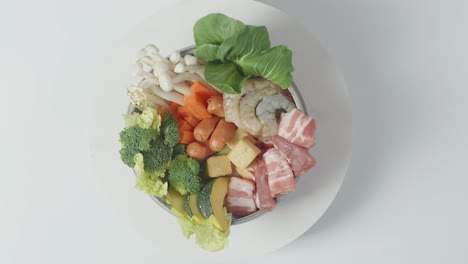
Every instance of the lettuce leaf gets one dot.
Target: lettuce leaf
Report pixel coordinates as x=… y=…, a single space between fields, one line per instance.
x=130 y=120
x=206 y=235
x=148 y=119
x=150 y=183
x=235 y=52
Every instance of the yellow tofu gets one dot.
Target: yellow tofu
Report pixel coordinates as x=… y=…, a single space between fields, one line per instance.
x=238 y=135
x=217 y=166
x=243 y=153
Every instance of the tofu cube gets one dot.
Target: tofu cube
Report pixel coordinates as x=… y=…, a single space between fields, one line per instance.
x=218 y=166
x=238 y=135
x=243 y=153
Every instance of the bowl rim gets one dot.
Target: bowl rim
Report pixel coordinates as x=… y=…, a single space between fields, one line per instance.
x=298 y=101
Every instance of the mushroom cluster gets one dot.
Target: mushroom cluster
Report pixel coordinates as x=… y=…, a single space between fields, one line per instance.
x=161 y=79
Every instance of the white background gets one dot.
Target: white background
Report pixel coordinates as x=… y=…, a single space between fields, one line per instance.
x=404 y=199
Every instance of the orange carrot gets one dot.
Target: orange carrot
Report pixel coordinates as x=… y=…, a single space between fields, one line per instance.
x=184 y=111
x=202 y=90
x=186 y=137
x=184 y=125
x=197 y=106
x=177 y=115
x=162 y=110
x=192 y=120
x=174 y=106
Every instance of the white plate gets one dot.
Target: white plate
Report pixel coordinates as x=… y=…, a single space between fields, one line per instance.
x=325 y=97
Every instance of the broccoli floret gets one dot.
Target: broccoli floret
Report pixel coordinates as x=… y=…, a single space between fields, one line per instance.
x=184 y=175
x=127 y=154
x=136 y=138
x=169 y=130
x=178 y=150
x=157 y=157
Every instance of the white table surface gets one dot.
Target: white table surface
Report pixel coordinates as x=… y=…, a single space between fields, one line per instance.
x=404 y=199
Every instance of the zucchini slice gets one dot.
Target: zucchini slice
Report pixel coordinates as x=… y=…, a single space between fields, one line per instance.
x=176 y=201
x=192 y=203
x=210 y=202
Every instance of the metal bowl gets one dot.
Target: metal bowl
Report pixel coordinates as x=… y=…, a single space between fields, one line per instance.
x=297 y=98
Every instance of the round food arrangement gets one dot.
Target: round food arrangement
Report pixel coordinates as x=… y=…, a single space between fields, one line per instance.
x=216 y=133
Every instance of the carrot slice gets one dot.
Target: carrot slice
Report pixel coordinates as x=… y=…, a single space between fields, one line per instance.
x=177 y=115
x=184 y=125
x=197 y=106
x=162 y=110
x=174 y=106
x=192 y=120
x=202 y=90
x=186 y=137
x=184 y=111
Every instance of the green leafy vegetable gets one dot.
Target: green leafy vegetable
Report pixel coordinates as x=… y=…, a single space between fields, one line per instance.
x=236 y=52
x=131 y=120
x=150 y=119
x=225 y=76
x=250 y=40
x=207 y=236
x=184 y=175
x=208 y=52
x=273 y=64
x=150 y=183
x=205 y=33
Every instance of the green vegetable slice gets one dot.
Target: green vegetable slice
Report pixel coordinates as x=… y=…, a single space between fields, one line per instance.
x=211 y=200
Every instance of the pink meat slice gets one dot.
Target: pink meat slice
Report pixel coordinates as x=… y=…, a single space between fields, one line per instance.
x=263 y=197
x=240 y=199
x=298 y=157
x=298 y=128
x=280 y=176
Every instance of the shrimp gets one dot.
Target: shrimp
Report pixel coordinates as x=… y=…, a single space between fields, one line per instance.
x=266 y=113
x=269 y=91
x=248 y=104
x=231 y=108
x=261 y=83
x=231 y=104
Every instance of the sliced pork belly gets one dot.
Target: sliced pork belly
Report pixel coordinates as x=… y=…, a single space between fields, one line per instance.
x=263 y=197
x=280 y=176
x=297 y=128
x=240 y=199
x=298 y=157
